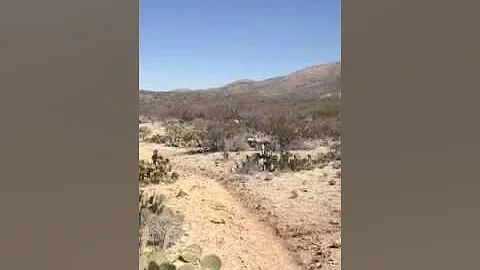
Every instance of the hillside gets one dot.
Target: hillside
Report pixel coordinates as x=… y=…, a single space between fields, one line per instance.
x=297 y=91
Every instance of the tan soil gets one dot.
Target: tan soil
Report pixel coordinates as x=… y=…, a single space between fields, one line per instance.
x=290 y=221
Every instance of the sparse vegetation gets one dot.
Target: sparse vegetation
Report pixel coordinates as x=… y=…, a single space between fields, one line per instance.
x=288 y=116
x=144 y=132
x=159 y=227
x=219 y=130
x=181 y=135
x=328 y=108
x=157 y=171
x=162 y=228
x=287 y=126
x=285 y=161
x=156 y=138
x=188 y=259
x=221 y=136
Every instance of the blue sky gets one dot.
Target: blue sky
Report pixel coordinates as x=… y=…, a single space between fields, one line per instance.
x=205 y=43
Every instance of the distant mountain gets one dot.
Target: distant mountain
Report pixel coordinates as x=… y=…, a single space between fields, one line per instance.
x=316 y=80
x=294 y=89
x=182 y=90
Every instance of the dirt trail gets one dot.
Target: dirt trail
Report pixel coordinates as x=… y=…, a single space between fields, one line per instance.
x=217 y=221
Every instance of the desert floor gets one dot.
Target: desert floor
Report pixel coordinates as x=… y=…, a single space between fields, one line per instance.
x=265 y=221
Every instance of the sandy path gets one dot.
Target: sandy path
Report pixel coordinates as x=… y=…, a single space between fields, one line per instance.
x=308 y=224
x=218 y=222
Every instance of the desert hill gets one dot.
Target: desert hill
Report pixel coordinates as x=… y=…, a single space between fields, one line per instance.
x=298 y=91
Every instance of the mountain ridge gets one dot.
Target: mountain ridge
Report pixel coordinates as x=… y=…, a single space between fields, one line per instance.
x=299 y=89
x=312 y=71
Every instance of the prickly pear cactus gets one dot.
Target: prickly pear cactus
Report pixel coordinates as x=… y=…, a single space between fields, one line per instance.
x=191 y=253
x=164 y=266
x=156 y=260
x=143 y=263
x=211 y=262
x=159 y=170
x=151 y=202
x=159 y=257
x=187 y=267
x=167 y=266
x=153 y=266
x=188 y=259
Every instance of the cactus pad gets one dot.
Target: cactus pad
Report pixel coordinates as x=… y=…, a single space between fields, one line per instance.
x=211 y=262
x=191 y=253
x=186 y=267
x=167 y=266
x=153 y=266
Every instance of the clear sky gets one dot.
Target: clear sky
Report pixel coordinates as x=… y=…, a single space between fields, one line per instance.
x=205 y=43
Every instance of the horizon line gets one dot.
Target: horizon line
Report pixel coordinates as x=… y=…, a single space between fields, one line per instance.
x=241 y=79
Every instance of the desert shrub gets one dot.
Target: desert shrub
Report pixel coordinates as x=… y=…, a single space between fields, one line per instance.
x=186 y=113
x=247 y=166
x=327 y=108
x=156 y=138
x=157 y=171
x=238 y=142
x=144 y=132
x=324 y=120
x=216 y=122
x=336 y=146
x=181 y=135
x=212 y=138
x=289 y=120
x=283 y=128
x=301 y=144
x=220 y=136
x=334 y=153
x=159 y=226
x=286 y=161
x=321 y=129
x=283 y=161
x=154 y=203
